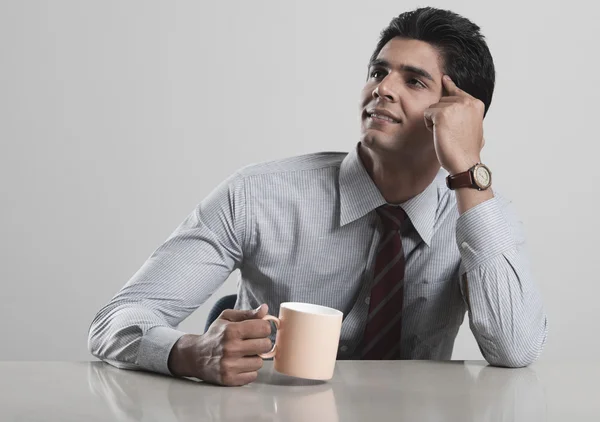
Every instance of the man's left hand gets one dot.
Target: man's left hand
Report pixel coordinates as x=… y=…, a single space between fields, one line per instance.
x=457 y=125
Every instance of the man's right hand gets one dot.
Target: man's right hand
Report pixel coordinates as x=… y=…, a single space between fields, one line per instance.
x=227 y=353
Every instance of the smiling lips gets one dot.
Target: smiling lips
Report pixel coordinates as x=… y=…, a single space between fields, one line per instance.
x=379 y=115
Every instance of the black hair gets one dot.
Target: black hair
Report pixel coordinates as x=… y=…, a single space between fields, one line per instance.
x=465 y=54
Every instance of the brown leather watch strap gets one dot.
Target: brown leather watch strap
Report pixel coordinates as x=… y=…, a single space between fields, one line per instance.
x=460 y=180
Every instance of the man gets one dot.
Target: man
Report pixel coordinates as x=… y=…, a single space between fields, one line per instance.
x=403 y=234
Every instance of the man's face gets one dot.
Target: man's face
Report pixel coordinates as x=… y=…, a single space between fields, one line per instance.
x=405 y=80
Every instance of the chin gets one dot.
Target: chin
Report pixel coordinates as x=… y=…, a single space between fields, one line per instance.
x=380 y=142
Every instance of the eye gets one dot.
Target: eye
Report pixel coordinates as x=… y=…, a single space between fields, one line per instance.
x=418 y=83
x=376 y=72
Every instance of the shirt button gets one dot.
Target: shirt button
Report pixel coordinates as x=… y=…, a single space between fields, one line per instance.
x=344 y=349
x=367 y=300
x=464 y=245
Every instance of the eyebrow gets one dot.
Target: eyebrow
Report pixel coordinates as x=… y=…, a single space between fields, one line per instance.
x=405 y=67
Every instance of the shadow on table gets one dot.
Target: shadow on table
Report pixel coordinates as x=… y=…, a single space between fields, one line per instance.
x=435 y=392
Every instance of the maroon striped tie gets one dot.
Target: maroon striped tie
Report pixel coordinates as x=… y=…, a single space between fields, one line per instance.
x=382 y=332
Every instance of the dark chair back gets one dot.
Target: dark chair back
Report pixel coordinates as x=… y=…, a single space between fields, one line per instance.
x=226 y=302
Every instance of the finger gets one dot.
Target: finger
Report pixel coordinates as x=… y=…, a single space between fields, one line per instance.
x=432 y=113
x=254 y=328
x=234 y=315
x=248 y=364
x=263 y=310
x=244 y=378
x=441 y=105
x=255 y=346
x=451 y=87
x=450 y=98
x=236 y=372
x=239 y=348
x=429 y=117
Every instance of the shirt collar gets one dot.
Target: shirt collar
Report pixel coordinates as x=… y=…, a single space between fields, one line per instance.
x=359 y=196
x=422 y=208
x=358 y=193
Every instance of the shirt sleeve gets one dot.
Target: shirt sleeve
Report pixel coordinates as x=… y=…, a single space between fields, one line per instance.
x=138 y=327
x=506 y=314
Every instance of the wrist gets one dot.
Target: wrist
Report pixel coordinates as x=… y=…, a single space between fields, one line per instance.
x=180 y=356
x=467 y=198
x=462 y=165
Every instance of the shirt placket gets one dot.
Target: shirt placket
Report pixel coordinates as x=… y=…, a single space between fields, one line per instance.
x=354 y=323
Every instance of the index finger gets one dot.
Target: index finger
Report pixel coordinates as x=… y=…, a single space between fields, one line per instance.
x=254 y=328
x=451 y=88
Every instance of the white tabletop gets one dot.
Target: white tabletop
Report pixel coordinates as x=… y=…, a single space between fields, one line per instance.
x=359 y=391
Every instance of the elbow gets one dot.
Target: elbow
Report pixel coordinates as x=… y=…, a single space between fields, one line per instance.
x=115 y=334
x=103 y=333
x=94 y=338
x=512 y=359
x=517 y=351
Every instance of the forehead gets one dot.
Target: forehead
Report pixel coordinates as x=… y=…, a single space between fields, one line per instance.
x=401 y=51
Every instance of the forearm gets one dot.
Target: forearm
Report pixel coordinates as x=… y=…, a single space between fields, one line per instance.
x=506 y=314
x=137 y=328
x=505 y=307
x=467 y=198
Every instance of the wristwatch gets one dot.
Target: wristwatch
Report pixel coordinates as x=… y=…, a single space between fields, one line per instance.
x=477 y=177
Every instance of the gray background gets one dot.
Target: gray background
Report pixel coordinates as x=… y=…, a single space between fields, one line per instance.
x=118 y=117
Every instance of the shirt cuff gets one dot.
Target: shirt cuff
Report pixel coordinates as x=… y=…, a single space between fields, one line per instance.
x=482 y=233
x=155 y=347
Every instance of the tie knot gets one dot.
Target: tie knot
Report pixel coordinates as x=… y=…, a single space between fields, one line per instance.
x=391 y=216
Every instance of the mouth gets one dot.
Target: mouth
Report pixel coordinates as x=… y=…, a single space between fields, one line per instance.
x=377 y=117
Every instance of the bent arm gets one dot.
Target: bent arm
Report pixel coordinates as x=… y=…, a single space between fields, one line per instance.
x=138 y=327
x=506 y=313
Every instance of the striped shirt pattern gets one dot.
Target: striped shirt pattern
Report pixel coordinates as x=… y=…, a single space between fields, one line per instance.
x=306 y=229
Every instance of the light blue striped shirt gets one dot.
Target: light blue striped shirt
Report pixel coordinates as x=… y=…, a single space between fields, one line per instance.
x=305 y=229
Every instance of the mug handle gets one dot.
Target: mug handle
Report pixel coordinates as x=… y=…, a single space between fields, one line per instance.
x=270 y=354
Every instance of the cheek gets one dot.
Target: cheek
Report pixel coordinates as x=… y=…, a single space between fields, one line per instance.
x=415 y=110
x=415 y=117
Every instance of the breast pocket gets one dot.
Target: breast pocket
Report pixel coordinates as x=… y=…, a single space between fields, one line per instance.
x=432 y=309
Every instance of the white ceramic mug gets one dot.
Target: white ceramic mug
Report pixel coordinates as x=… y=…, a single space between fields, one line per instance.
x=307 y=340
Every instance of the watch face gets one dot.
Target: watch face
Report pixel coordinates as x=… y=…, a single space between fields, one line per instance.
x=482 y=176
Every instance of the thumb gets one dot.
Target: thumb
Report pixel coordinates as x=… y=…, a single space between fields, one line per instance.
x=234 y=315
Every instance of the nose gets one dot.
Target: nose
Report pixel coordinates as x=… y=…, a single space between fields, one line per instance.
x=384 y=89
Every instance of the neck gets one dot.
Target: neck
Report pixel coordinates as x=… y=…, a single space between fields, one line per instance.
x=398 y=177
